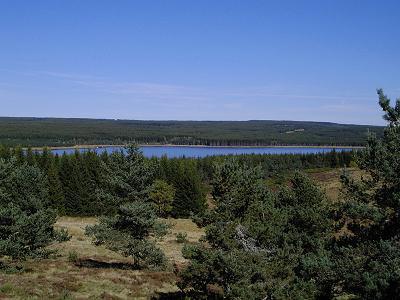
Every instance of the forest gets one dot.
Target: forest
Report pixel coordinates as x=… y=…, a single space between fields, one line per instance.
x=262 y=237
x=69 y=132
x=76 y=181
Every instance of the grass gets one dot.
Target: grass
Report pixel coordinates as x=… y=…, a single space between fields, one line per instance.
x=329 y=180
x=60 y=278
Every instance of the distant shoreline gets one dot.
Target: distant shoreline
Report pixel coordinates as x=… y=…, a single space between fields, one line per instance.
x=193 y=146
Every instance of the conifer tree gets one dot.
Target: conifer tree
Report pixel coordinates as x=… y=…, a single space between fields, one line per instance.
x=132 y=225
x=131 y=232
x=367 y=254
x=56 y=193
x=26 y=221
x=30 y=160
x=259 y=244
x=189 y=196
x=162 y=195
x=125 y=177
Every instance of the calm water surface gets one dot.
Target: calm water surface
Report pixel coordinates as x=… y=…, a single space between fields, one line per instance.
x=188 y=151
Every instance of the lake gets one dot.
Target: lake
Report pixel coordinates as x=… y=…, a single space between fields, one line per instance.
x=199 y=151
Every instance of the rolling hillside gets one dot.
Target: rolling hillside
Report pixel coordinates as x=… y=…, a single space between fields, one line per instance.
x=66 y=132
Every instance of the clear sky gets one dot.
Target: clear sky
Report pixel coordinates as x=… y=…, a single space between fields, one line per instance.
x=199 y=60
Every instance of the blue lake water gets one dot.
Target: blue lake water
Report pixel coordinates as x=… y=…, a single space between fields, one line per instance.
x=196 y=151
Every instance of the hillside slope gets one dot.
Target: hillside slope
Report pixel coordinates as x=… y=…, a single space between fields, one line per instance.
x=65 y=132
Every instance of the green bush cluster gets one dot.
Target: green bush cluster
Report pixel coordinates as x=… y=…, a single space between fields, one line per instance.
x=292 y=243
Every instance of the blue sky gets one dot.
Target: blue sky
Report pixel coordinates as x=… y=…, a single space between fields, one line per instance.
x=199 y=60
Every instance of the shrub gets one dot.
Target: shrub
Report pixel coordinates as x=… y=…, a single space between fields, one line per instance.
x=73 y=256
x=6 y=288
x=129 y=231
x=181 y=237
x=62 y=235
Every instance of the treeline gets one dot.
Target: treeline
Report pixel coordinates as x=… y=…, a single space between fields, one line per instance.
x=76 y=181
x=67 y=132
x=272 y=165
x=177 y=186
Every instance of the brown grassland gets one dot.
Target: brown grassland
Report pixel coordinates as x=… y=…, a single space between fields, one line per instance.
x=61 y=278
x=81 y=270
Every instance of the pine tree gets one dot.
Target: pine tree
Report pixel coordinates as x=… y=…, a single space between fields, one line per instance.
x=189 y=196
x=124 y=178
x=129 y=231
x=261 y=245
x=30 y=160
x=367 y=252
x=26 y=221
x=71 y=179
x=162 y=195
x=56 y=193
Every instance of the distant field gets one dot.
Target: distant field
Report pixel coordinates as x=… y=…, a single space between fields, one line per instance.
x=68 y=132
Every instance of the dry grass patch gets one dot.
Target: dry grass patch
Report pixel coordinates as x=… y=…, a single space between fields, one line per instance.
x=60 y=278
x=329 y=180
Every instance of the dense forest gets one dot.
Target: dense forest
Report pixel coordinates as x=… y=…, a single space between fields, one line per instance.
x=76 y=181
x=67 y=132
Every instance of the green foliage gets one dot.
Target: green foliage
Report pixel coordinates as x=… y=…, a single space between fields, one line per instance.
x=125 y=178
x=368 y=255
x=129 y=231
x=62 y=235
x=26 y=222
x=189 y=189
x=80 y=176
x=181 y=237
x=73 y=256
x=162 y=195
x=273 y=166
x=259 y=240
x=8 y=268
x=292 y=244
x=62 y=132
x=6 y=288
x=90 y=184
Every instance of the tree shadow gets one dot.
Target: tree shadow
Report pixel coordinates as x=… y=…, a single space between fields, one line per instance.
x=184 y=295
x=92 y=263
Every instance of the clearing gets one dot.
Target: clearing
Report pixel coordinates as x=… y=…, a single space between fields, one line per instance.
x=104 y=275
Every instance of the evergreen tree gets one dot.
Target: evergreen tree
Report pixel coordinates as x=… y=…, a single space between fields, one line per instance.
x=56 y=193
x=26 y=221
x=258 y=241
x=189 y=196
x=129 y=231
x=18 y=153
x=30 y=160
x=162 y=195
x=72 y=180
x=367 y=252
x=124 y=178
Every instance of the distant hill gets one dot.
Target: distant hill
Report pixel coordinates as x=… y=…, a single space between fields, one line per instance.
x=66 y=132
